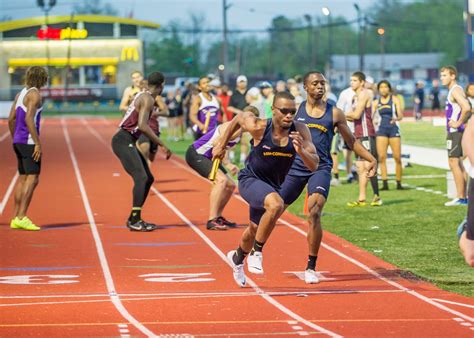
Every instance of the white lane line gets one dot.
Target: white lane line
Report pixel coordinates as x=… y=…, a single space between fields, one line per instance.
x=458 y=319
x=122 y=326
x=454 y=303
x=292 y=322
x=4 y=136
x=379 y=276
x=210 y=294
x=10 y=188
x=466 y=324
x=352 y=260
x=98 y=243
x=297 y=328
x=262 y=293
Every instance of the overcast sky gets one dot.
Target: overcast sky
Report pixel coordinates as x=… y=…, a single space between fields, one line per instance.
x=250 y=14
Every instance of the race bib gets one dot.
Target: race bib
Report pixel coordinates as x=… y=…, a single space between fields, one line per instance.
x=449 y=144
x=366 y=144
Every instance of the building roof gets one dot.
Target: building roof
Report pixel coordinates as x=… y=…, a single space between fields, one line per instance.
x=54 y=19
x=391 y=61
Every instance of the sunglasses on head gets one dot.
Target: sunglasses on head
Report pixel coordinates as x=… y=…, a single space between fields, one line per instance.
x=286 y=111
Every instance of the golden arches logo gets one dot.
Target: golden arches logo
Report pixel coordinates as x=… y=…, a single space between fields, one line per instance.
x=129 y=54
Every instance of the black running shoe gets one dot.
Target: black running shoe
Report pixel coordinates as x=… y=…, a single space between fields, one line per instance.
x=215 y=224
x=230 y=224
x=141 y=226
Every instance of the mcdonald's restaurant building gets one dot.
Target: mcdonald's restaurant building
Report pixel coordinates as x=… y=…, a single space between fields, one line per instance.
x=89 y=57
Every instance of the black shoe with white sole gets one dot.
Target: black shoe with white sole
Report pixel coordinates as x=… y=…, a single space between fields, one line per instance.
x=141 y=225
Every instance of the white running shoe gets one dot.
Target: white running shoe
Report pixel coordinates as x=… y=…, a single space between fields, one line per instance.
x=456 y=201
x=254 y=263
x=310 y=277
x=238 y=270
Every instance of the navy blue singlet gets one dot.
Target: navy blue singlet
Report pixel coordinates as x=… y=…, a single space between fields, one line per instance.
x=267 y=161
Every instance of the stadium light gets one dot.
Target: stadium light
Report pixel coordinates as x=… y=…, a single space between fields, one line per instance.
x=380 y=31
x=326 y=11
x=221 y=67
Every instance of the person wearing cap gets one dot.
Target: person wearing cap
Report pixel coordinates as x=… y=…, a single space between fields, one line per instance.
x=266 y=90
x=236 y=105
x=254 y=99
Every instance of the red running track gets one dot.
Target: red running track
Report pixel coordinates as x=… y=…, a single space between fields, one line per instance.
x=85 y=274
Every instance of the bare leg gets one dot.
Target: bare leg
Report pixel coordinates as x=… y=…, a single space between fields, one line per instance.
x=467 y=249
x=248 y=237
x=315 y=232
x=19 y=194
x=396 y=146
x=361 y=170
x=382 y=145
x=458 y=172
x=29 y=186
x=274 y=207
x=348 y=157
x=220 y=194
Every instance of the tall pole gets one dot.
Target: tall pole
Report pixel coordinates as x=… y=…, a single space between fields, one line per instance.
x=359 y=33
x=327 y=13
x=381 y=33
x=225 y=62
x=309 y=45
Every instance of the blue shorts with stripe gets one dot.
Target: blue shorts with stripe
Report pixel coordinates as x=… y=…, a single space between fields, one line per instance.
x=318 y=182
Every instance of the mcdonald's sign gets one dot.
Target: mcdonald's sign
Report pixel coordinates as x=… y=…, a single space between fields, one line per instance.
x=129 y=54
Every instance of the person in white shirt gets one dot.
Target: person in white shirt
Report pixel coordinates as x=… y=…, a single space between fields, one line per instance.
x=345 y=104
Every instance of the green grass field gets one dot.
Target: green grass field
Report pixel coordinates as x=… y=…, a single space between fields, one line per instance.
x=423 y=134
x=412 y=230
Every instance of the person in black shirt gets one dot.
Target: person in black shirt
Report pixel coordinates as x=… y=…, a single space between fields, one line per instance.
x=419 y=98
x=434 y=97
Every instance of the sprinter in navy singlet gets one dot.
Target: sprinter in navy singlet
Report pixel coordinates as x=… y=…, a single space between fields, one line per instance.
x=321 y=118
x=390 y=110
x=275 y=144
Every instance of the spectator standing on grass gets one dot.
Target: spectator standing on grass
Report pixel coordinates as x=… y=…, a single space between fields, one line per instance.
x=434 y=97
x=419 y=100
x=267 y=95
x=236 y=105
x=457 y=108
x=223 y=95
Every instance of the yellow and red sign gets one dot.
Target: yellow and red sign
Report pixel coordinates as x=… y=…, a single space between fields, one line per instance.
x=61 y=34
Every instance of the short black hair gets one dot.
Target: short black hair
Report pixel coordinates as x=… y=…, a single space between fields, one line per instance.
x=202 y=78
x=385 y=82
x=282 y=95
x=359 y=75
x=308 y=74
x=156 y=79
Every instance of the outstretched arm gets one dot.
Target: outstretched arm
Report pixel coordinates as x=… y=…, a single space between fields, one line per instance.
x=245 y=120
x=356 y=113
x=352 y=143
x=145 y=106
x=193 y=112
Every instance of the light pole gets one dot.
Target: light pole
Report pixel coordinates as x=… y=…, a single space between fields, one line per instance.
x=225 y=62
x=46 y=7
x=359 y=23
x=327 y=13
x=308 y=19
x=381 y=33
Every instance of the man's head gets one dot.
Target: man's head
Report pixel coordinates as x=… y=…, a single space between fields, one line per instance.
x=253 y=95
x=156 y=80
x=435 y=83
x=204 y=84
x=314 y=83
x=448 y=75
x=284 y=109
x=36 y=77
x=225 y=89
x=357 y=81
x=280 y=86
x=253 y=110
x=137 y=78
x=241 y=82
x=266 y=88
x=470 y=90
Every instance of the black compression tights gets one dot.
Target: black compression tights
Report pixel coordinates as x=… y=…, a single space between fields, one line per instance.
x=123 y=145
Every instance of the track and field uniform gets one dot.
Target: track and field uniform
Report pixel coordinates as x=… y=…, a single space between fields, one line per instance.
x=322 y=134
x=387 y=112
x=210 y=107
x=364 y=130
x=23 y=143
x=199 y=154
x=124 y=147
x=155 y=126
x=454 y=137
x=265 y=170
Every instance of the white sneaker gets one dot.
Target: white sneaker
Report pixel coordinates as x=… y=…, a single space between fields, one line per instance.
x=455 y=202
x=310 y=277
x=238 y=270
x=254 y=263
x=335 y=182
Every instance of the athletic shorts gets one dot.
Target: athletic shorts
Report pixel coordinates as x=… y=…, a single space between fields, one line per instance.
x=369 y=144
x=470 y=211
x=254 y=191
x=389 y=131
x=201 y=164
x=145 y=139
x=24 y=155
x=453 y=144
x=318 y=182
